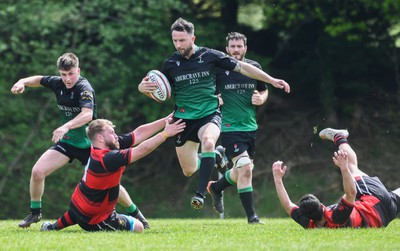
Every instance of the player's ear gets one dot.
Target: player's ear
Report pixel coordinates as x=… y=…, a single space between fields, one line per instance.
x=100 y=137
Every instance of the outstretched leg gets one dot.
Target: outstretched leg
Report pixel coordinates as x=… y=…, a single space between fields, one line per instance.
x=339 y=138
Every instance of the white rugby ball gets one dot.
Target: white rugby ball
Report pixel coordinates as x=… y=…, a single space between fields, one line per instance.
x=163 y=91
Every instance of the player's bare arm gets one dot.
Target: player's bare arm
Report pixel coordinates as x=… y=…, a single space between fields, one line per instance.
x=255 y=73
x=84 y=117
x=143 y=132
x=19 y=87
x=279 y=171
x=340 y=159
x=152 y=143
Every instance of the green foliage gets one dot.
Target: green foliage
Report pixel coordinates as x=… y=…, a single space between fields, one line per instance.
x=192 y=234
x=117 y=44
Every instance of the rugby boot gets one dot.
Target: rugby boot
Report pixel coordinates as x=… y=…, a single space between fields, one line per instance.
x=197 y=201
x=142 y=219
x=48 y=226
x=31 y=218
x=329 y=133
x=255 y=220
x=217 y=200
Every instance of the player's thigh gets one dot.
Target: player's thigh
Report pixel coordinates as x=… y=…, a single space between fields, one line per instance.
x=50 y=161
x=187 y=155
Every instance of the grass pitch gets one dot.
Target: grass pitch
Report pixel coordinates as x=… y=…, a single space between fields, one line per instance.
x=203 y=234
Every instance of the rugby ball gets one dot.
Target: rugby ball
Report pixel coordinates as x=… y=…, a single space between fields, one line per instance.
x=163 y=91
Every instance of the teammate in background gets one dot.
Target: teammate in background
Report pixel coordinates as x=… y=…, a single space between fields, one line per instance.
x=366 y=202
x=191 y=73
x=77 y=104
x=93 y=201
x=240 y=95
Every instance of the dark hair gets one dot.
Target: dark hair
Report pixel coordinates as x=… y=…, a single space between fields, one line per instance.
x=311 y=207
x=67 y=61
x=182 y=25
x=235 y=36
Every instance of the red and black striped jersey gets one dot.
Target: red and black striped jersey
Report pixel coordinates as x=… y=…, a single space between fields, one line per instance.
x=96 y=195
x=363 y=213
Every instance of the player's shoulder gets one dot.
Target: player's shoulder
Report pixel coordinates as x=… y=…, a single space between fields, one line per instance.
x=83 y=83
x=53 y=82
x=214 y=51
x=50 y=79
x=252 y=62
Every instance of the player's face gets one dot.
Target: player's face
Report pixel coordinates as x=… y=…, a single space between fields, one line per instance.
x=183 y=42
x=236 y=49
x=110 y=138
x=70 y=77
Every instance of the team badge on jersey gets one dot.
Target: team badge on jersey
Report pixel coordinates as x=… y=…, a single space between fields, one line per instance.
x=178 y=63
x=227 y=73
x=87 y=95
x=235 y=148
x=201 y=58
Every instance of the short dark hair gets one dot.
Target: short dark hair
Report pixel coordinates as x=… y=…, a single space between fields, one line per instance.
x=182 y=25
x=67 y=61
x=311 y=207
x=235 y=36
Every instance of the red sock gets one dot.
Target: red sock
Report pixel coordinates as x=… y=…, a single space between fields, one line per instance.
x=339 y=139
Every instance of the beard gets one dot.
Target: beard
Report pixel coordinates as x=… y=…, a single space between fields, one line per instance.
x=186 y=51
x=112 y=145
x=238 y=56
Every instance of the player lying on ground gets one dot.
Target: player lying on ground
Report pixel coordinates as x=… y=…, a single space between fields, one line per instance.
x=366 y=202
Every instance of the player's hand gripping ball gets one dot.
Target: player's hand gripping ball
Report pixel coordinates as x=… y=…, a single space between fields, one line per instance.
x=163 y=91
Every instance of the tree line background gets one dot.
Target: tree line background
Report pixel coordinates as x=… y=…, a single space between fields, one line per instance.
x=340 y=57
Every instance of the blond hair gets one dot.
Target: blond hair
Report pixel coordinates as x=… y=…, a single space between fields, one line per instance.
x=97 y=126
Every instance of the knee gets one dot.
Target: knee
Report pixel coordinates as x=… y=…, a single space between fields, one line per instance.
x=208 y=144
x=187 y=174
x=38 y=174
x=188 y=171
x=138 y=227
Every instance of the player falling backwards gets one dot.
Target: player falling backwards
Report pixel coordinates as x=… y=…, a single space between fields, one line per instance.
x=366 y=202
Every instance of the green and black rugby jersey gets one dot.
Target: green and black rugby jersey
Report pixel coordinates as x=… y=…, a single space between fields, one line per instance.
x=193 y=81
x=238 y=113
x=70 y=102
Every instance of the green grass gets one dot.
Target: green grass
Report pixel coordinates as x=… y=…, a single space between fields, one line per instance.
x=203 y=234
